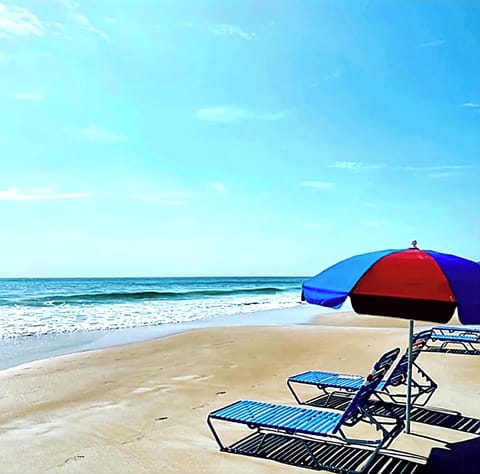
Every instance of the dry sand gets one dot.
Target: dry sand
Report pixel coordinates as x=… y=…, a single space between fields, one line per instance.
x=142 y=408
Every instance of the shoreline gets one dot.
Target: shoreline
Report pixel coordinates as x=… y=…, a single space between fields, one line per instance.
x=20 y=351
x=142 y=407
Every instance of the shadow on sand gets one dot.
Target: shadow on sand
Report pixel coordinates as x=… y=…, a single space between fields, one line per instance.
x=433 y=416
x=460 y=458
x=456 y=458
x=306 y=453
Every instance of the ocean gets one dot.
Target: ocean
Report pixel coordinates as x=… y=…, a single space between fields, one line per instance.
x=51 y=306
x=44 y=317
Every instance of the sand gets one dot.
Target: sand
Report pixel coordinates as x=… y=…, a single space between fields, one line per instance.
x=141 y=408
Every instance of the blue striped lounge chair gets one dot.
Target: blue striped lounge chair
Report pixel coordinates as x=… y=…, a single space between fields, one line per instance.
x=317 y=433
x=345 y=385
x=455 y=340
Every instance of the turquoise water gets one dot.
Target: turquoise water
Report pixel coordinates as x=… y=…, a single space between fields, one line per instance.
x=55 y=306
x=43 y=318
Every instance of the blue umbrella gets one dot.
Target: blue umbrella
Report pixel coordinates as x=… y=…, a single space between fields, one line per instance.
x=411 y=283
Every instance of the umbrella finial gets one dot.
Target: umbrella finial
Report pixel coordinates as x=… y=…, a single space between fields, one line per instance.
x=413 y=244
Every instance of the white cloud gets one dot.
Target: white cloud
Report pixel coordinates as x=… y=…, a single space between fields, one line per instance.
x=223 y=114
x=171 y=202
x=94 y=133
x=19 y=21
x=347 y=165
x=226 y=30
x=81 y=19
x=473 y=105
x=42 y=194
x=158 y=200
x=439 y=171
x=444 y=174
x=220 y=187
x=355 y=165
x=433 y=44
x=170 y=198
x=32 y=96
x=436 y=168
x=319 y=185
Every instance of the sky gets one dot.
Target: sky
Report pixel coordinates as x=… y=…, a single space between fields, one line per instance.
x=263 y=137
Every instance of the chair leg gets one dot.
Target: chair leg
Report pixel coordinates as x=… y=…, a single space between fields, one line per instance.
x=290 y=387
x=215 y=435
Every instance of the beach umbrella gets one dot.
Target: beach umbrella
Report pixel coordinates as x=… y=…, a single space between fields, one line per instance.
x=410 y=283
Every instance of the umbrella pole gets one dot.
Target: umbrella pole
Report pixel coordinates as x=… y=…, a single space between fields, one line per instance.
x=409 y=375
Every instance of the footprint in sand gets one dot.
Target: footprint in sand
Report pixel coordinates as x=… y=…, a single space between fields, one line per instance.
x=198 y=408
x=137 y=438
x=74 y=458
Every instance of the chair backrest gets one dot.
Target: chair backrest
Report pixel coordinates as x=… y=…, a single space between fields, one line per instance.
x=370 y=384
x=399 y=372
x=457 y=328
x=463 y=331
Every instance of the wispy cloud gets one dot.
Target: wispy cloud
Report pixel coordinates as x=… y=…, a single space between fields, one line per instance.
x=218 y=186
x=355 y=165
x=229 y=31
x=318 y=185
x=41 y=194
x=94 y=133
x=32 y=96
x=472 y=105
x=433 y=43
x=347 y=165
x=171 y=198
x=19 y=21
x=444 y=174
x=223 y=114
x=439 y=171
x=439 y=168
x=81 y=19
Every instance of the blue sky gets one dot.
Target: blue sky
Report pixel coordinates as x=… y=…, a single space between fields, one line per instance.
x=260 y=137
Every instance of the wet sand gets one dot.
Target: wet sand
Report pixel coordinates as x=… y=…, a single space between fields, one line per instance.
x=142 y=408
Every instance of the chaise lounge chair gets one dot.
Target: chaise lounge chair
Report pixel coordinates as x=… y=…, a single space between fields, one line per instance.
x=454 y=340
x=311 y=437
x=332 y=384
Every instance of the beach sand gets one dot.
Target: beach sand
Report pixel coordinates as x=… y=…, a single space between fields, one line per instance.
x=141 y=408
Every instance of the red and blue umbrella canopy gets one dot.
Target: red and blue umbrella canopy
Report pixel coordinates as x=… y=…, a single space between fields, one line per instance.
x=410 y=283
